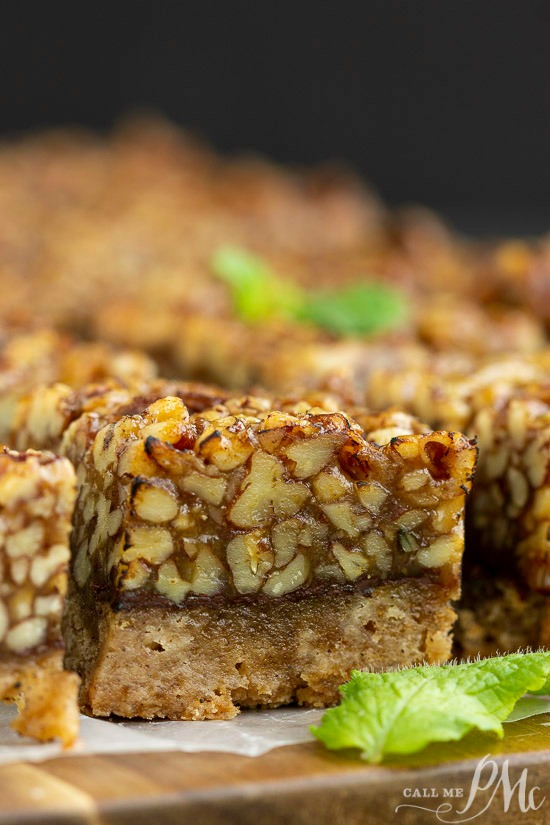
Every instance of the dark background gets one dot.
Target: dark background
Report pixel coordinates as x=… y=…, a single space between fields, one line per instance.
x=440 y=101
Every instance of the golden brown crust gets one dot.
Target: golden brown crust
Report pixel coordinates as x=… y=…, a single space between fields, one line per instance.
x=207 y=661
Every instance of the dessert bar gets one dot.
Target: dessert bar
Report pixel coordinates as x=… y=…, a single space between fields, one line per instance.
x=37 y=494
x=242 y=555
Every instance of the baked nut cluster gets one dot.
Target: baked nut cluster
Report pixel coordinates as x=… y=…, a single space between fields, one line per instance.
x=244 y=499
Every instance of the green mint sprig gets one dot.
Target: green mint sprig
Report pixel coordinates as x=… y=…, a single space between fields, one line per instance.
x=400 y=712
x=259 y=295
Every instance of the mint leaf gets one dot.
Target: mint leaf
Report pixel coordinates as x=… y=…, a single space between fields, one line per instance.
x=257 y=294
x=361 y=309
x=401 y=712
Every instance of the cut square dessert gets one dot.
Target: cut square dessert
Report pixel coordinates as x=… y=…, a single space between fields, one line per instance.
x=242 y=555
x=37 y=494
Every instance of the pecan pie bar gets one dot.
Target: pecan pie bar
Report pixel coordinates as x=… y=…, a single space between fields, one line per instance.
x=37 y=494
x=243 y=555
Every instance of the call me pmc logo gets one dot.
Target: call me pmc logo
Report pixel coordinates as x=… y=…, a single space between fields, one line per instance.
x=491 y=785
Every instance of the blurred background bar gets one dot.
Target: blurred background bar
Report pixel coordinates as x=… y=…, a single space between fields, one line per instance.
x=444 y=103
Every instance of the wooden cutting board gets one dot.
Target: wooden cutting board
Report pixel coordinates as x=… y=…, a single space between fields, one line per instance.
x=298 y=784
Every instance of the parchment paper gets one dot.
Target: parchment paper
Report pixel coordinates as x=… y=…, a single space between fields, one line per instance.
x=251 y=733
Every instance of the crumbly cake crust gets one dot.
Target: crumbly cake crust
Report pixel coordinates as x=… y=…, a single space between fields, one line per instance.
x=46 y=696
x=209 y=660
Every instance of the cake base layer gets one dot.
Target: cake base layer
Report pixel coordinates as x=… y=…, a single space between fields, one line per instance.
x=498 y=615
x=206 y=661
x=45 y=694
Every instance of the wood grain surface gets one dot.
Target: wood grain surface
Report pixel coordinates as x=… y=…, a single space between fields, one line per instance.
x=298 y=784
